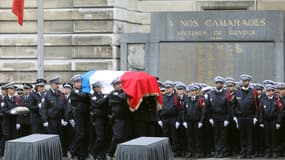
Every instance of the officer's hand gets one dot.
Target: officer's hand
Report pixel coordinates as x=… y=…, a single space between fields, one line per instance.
x=261 y=125
x=226 y=123
x=211 y=122
x=277 y=126
x=63 y=122
x=72 y=123
x=177 y=124
x=40 y=105
x=160 y=124
x=236 y=121
x=185 y=124
x=200 y=125
x=18 y=126
x=45 y=124
x=254 y=121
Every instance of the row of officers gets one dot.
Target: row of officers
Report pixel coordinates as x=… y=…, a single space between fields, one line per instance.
x=200 y=121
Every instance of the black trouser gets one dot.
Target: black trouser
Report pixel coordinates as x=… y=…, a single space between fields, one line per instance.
x=233 y=142
x=9 y=130
x=246 y=134
x=66 y=137
x=37 y=123
x=145 y=128
x=193 y=137
x=220 y=133
x=24 y=130
x=208 y=139
x=80 y=143
x=120 y=133
x=258 y=139
x=181 y=142
x=98 y=147
x=169 y=131
x=54 y=126
x=270 y=137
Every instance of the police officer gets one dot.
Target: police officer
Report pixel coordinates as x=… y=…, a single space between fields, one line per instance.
x=52 y=109
x=246 y=109
x=194 y=110
x=9 y=120
x=4 y=93
x=233 y=132
x=219 y=116
x=281 y=91
x=180 y=88
x=120 y=116
x=258 y=138
x=270 y=119
x=23 y=121
x=169 y=114
x=81 y=102
x=68 y=120
x=35 y=117
x=99 y=110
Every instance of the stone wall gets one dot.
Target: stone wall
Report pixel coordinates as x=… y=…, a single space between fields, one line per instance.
x=82 y=35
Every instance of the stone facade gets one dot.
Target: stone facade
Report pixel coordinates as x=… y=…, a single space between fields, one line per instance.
x=82 y=35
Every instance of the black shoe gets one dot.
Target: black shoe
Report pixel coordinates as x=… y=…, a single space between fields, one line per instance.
x=275 y=155
x=267 y=155
x=69 y=156
x=109 y=157
x=243 y=156
x=188 y=155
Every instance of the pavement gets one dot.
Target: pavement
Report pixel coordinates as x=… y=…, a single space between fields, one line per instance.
x=181 y=158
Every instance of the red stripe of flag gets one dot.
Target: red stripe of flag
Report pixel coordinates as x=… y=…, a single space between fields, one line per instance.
x=18 y=10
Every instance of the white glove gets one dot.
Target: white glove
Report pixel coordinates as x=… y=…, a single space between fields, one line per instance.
x=211 y=122
x=261 y=125
x=18 y=126
x=160 y=124
x=226 y=123
x=72 y=123
x=200 y=125
x=40 y=105
x=236 y=121
x=254 y=121
x=45 y=124
x=277 y=126
x=177 y=124
x=185 y=124
x=63 y=122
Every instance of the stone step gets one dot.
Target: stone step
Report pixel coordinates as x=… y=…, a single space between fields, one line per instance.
x=59 y=39
x=70 y=52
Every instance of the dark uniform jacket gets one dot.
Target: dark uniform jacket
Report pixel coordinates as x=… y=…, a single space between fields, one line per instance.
x=246 y=103
x=53 y=104
x=80 y=101
x=218 y=105
x=270 y=109
x=27 y=102
x=118 y=103
x=194 y=109
x=99 y=105
x=170 y=107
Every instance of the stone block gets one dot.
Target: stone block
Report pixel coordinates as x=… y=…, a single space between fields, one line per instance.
x=52 y=65
x=90 y=3
x=93 y=26
x=271 y=5
x=92 y=13
x=92 y=52
x=95 y=65
x=58 y=52
x=92 y=39
x=18 y=77
x=18 y=52
x=16 y=65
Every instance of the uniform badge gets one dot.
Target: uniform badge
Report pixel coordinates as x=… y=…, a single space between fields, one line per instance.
x=115 y=93
x=43 y=100
x=94 y=98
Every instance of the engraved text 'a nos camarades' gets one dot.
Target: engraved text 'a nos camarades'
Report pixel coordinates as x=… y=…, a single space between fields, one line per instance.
x=216 y=28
